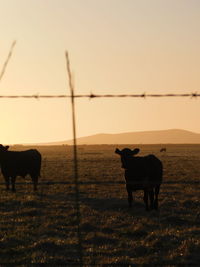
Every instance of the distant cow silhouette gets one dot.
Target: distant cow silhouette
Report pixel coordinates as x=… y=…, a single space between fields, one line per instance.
x=142 y=173
x=19 y=163
x=163 y=149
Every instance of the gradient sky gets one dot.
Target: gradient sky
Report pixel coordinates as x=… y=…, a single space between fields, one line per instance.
x=115 y=46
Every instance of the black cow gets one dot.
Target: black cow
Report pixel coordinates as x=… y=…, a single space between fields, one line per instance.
x=19 y=163
x=142 y=173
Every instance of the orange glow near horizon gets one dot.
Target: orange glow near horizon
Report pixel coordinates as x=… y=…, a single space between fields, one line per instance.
x=115 y=47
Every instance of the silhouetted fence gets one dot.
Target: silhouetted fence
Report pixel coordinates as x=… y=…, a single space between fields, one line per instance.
x=91 y=96
x=73 y=96
x=191 y=182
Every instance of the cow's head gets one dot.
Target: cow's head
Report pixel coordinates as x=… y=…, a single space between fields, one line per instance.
x=126 y=154
x=3 y=148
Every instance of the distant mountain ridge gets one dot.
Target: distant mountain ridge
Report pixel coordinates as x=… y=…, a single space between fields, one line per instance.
x=172 y=136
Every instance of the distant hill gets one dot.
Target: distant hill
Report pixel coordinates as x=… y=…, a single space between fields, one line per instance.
x=172 y=136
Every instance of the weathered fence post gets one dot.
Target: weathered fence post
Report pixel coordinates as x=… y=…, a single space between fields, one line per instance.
x=76 y=182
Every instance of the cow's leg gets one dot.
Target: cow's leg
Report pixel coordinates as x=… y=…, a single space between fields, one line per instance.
x=146 y=193
x=13 y=179
x=7 y=181
x=130 y=196
x=157 y=189
x=151 y=196
x=35 y=182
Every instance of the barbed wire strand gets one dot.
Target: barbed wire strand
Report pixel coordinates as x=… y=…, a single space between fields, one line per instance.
x=193 y=182
x=91 y=96
x=7 y=60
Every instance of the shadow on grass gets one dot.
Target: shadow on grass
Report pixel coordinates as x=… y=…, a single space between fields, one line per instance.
x=112 y=204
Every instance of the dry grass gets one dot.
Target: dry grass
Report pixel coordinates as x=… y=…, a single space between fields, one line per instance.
x=41 y=227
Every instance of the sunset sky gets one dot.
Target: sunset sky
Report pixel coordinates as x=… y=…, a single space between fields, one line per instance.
x=115 y=47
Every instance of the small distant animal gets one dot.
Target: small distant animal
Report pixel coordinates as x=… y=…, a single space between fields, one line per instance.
x=19 y=163
x=163 y=149
x=142 y=173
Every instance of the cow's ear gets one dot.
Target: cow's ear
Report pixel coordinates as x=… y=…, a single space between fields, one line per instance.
x=117 y=151
x=135 y=151
x=6 y=147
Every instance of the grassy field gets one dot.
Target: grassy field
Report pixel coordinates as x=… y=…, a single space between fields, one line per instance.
x=42 y=227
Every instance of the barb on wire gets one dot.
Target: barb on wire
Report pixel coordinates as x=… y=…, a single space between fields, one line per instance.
x=7 y=60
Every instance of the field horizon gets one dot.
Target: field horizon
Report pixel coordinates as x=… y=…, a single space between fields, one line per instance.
x=171 y=136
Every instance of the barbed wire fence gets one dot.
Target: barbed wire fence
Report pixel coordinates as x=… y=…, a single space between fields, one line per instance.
x=91 y=96
x=7 y=60
x=73 y=96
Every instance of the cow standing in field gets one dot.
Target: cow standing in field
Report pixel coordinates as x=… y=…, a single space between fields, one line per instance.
x=19 y=163
x=142 y=173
